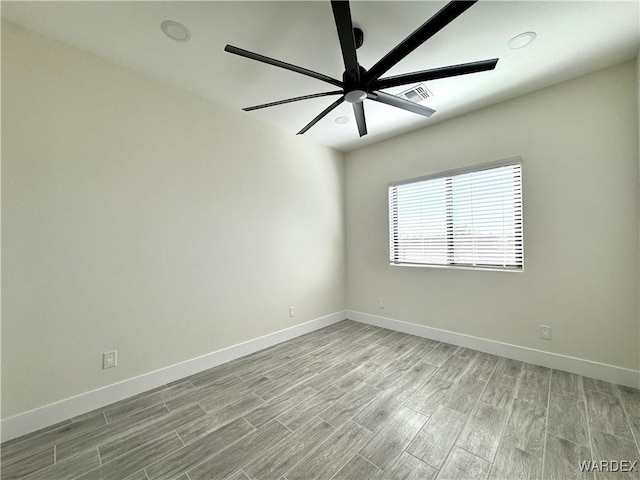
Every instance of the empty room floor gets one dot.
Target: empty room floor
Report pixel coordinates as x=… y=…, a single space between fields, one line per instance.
x=350 y=401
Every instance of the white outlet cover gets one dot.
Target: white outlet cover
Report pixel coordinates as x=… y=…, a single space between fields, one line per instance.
x=545 y=332
x=109 y=359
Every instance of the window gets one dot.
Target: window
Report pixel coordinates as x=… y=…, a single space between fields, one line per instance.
x=465 y=218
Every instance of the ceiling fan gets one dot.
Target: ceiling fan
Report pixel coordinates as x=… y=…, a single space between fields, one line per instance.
x=358 y=84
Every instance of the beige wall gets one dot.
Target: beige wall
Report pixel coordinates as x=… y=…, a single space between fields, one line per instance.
x=579 y=144
x=141 y=218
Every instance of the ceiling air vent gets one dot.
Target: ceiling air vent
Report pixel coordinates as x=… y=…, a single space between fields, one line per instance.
x=417 y=94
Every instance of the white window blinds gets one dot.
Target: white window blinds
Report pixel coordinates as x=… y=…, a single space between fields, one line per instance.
x=471 y=218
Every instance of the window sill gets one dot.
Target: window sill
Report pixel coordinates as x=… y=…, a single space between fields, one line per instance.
x=458 y=267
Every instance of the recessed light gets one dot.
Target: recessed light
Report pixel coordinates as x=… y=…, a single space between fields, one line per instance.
x=175 y=31
x=522 y=40
x=342 y=120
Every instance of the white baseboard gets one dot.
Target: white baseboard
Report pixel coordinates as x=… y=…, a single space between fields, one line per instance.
x=587 y=368
x=51 y=414
x=47 y=415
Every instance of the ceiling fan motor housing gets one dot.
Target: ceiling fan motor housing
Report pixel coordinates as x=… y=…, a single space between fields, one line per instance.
x=354 y=85
x=358 y=35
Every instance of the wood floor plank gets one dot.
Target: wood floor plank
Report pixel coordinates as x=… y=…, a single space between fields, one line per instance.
x=330 y=375
x=140 y=402
x=277 y=461
x=211 y=399
x=562 y=459
x=205 y=424
x=415 y=378
x=397 y=338
x=140 y=475
x=379 y=410
x=184 y=459
x=299 y=414
x=267 y=412
x=510 y=367
x=234 y=368
x=568 y=419
x=359 y=375
x=500 y=391
x=239 y=475
x=533 y=387
x=357 y=469
x=30 y=444
x=567 y=384
x=598 y=385
x=610 y=447
x=434 y=392
x=439 y=354
x=364 y=354
x=630 y=399
x=233 y=458
x=631 y=403
x=482 y=367
x=434 y=441
x=453 y=367
x=332 y=455
x=481 y=435
x=525 y=429
x=285 y=384
x=114 y=430
x=605 y=413
x=135 y=460
x=512 y=463
x=69 y=468
x=408 y=467
x=349 y=405
x=390 y=375
x=27 y=464
x=390 y=400
x=461 y=464
x=114 y=448
x=465 y=393
x=537 y=368
x=392 y=438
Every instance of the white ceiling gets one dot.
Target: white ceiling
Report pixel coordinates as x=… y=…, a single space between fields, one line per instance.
x=574 y=38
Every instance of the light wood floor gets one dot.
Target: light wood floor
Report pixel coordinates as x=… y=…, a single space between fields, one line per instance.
x=350 y=401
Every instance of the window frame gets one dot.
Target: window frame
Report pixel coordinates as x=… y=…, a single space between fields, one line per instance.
x=444 y=175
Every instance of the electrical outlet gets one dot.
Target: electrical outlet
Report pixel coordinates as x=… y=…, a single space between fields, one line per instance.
x=381 y=303
x=109 y=359
x=292 y=312
x=545 y=332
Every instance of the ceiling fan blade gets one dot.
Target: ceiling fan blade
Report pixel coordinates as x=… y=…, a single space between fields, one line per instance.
x=432 y=26
x=344 y=25
x=278 y=63
x=289 y=100
x=358 y=110
x=322 y=114
x=401 y=103
x=434 y=73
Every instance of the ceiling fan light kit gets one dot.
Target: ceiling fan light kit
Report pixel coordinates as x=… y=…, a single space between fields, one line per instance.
x=359 y=84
